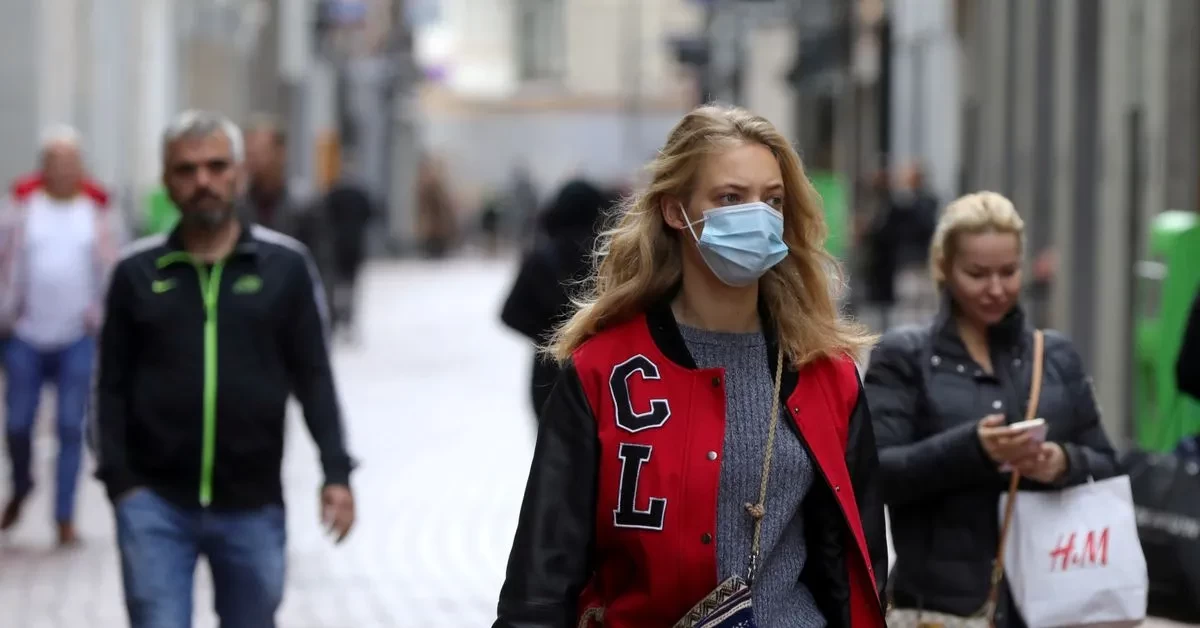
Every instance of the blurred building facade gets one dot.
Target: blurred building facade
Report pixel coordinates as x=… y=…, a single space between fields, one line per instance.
x=118 y=70
x=1086 y=113
x=562 y=87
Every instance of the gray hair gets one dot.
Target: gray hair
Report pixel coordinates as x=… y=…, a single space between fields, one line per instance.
x=60 y=135
x=195 y=123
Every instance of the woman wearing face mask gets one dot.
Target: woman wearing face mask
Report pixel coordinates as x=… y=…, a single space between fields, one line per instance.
x=942 y=395
x=709 y=427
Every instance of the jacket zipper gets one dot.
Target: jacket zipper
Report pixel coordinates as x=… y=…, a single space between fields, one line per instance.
x=210 y=289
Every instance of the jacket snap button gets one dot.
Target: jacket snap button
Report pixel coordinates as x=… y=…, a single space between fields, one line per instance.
x=712 y=455
x=935 y=360
x=795 y=410
x=1017 y=362
x=996 y=405
x=706 y=538
x=961 y=368
x=716 y=382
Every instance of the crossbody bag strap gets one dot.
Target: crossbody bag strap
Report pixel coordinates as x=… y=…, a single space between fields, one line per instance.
x=759 y=510
x=1031 y=410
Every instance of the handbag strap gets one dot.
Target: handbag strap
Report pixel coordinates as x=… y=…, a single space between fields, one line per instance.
x=1035 y=393
x=759 y=510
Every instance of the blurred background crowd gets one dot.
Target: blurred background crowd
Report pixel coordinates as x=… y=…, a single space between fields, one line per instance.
x=382 y=132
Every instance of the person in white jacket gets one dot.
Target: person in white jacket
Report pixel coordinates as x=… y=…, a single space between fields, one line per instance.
x=59 y=237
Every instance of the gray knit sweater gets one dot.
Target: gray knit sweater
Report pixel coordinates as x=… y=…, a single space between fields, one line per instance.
x=780 y=600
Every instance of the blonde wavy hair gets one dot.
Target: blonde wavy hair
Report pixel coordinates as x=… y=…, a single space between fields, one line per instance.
x=980 y=212
x=639 y=260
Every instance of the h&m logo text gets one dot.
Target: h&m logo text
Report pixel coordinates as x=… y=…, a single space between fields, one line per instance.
x=1080 y=551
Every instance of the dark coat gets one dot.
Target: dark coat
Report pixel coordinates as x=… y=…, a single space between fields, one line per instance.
x=927 y=395
x=1187 y=368
x=550 y=272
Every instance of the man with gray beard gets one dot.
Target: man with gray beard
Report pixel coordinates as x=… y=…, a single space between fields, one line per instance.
x=208 y=330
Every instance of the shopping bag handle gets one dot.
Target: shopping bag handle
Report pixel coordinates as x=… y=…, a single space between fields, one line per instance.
x=1035 y=394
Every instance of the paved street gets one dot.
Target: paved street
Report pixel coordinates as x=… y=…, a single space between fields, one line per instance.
x=436 y=406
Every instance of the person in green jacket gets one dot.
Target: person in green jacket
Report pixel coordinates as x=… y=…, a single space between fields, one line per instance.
x=161 y=213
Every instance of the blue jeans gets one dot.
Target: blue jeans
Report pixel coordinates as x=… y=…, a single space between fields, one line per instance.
x=27 y=370
x=160 y=543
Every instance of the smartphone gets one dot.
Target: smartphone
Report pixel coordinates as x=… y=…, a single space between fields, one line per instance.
x=1036 y=429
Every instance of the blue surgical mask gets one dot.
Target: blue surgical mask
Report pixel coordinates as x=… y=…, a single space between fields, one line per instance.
x=741 y=243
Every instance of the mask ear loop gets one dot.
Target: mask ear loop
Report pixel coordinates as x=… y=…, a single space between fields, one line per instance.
x=689 y=223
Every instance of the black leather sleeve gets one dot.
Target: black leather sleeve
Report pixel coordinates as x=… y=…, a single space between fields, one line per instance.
x=551 y=557
x=862 y=460
x=1187 y=368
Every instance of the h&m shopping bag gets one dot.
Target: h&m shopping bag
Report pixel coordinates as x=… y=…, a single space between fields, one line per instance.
x=1074 y=559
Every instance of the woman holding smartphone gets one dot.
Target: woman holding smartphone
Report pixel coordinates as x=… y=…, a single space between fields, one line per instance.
x=944 y=397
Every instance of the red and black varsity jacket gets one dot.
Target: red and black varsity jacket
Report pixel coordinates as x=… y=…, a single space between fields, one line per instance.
x=621 y=503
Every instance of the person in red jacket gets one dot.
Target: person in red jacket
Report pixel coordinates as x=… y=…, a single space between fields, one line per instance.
x=709 y=427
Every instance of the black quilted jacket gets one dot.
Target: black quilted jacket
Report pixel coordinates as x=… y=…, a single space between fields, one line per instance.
x=926 y=396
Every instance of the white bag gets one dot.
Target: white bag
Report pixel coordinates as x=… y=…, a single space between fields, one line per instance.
x=1073 y=557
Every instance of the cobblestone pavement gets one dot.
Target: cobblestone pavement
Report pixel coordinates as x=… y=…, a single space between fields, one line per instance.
x=435 y=400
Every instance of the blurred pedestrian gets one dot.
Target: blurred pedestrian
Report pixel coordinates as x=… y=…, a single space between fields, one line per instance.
x=1187 y=368
x=878 y=241
x=1187 y=375
x=436 y=223
x=491 y=216
x=551 y=271
x=913 y=215
x=60 y=237
x=897 y=236
x=161 y=215
x=942 y=395
x=708 y=428
x=522 y=205
x=349 y=209
x=192 y=393
x=271 y=199
x=278 y=203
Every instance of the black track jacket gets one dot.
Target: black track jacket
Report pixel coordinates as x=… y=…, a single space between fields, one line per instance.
x=196 y=365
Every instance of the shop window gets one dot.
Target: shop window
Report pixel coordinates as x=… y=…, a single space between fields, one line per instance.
x=539 y=39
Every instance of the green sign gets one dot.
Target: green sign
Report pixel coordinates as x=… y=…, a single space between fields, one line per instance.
x=832 y=190
x=1167 y=284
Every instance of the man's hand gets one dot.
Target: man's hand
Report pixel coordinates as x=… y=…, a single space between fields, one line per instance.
x=1047 y=466
x=337 y=510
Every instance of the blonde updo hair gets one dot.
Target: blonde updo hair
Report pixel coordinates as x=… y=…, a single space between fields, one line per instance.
x=639 y=260
x=981 y=212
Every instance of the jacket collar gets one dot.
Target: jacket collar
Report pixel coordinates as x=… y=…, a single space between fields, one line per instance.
x=246 y=244
x=664 y=330
x=1009 y=333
